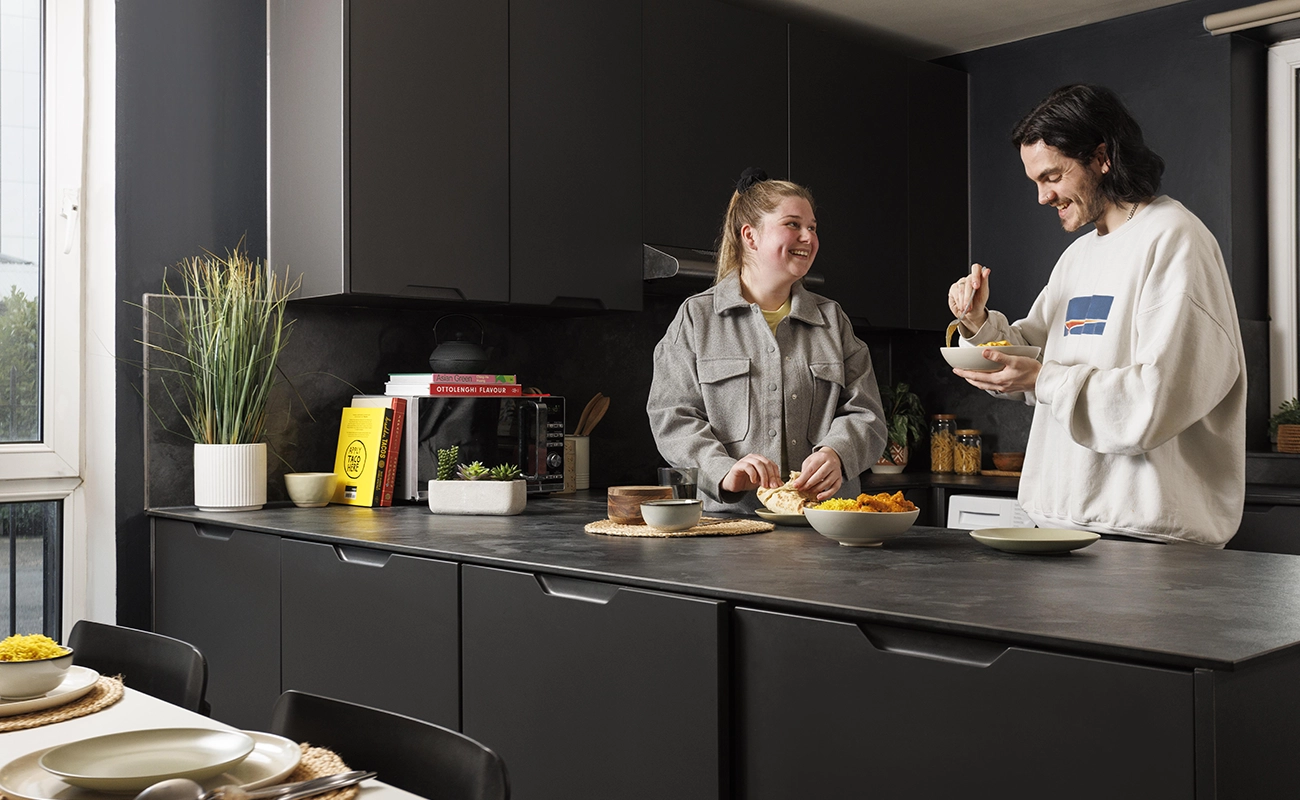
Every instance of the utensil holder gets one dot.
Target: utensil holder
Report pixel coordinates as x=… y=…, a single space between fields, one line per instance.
x=581 y=460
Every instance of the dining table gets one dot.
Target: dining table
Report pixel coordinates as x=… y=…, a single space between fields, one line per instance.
x=139 y=711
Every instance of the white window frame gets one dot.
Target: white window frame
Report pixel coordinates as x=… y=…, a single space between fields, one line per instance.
x=1283 y=158
x=77 y=307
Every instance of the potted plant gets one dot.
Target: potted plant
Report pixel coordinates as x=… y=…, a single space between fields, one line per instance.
x=1284 y=427
x=222 y=330
x=474 y=488
x=904 y=426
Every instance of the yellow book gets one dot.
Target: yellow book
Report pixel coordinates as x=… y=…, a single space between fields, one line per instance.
x=362 y=452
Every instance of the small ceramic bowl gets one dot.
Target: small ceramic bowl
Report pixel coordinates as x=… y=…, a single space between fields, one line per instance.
x=1009 y=462
x=671 y=515
x=860 y=528
x=310 y=489
x=23 y=680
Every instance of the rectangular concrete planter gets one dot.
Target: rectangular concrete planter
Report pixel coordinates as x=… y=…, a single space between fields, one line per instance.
x=497 y=498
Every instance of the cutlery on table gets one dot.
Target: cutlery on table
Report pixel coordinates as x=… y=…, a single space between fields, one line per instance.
x=186 y=789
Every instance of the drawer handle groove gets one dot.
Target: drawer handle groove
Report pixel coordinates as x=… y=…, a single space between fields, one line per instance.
x=361 y=555
x=214 y=532
x=573 y=589
x=936 y=646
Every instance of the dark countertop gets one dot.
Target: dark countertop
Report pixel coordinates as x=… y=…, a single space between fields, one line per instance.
x=1171 y=605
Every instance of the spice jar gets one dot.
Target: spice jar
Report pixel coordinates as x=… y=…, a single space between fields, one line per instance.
x=966 y=453
x=943 y=438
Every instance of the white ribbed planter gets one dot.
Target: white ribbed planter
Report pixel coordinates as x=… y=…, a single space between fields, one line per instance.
x=478 y=497
x=230 y=477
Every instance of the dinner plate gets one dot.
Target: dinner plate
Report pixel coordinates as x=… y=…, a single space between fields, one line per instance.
x=973 y=357
x=131 y=760
x=1034 y=540
x=76 y=683
x=273 y=759
x=782 y=519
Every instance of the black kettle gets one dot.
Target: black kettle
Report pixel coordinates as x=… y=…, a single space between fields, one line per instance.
x=458 y=354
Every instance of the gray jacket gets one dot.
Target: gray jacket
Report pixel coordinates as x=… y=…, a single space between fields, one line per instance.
x=723 y=386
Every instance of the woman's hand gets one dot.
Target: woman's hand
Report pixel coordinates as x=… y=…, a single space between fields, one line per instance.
x=821 y=473
x=970 y=294
x=751 y=472
x=1020 y=373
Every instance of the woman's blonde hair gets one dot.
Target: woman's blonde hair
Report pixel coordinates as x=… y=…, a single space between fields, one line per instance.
x=747 y=207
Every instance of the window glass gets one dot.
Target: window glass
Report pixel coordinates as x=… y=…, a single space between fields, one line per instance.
x=20 y=220
x=31 y=568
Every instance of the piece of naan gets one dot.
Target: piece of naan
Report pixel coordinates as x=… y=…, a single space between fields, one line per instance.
x=785 y=499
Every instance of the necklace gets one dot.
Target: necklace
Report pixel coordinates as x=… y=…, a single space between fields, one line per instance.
x=1132 y=211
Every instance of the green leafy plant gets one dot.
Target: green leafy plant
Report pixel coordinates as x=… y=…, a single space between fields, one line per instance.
x=472 y=472
x=447 y=458
x=505 y=472
x=904 y=416
x=1287 y=414
x=222 y=330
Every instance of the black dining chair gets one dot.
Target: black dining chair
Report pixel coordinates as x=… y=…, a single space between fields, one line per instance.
x=411 y=754
x=158 y=665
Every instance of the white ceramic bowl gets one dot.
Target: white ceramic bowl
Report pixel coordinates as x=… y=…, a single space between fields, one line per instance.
x=22 y=680
x=860 y=528
x=671 y=515
x=310 y=489
x=973 y=357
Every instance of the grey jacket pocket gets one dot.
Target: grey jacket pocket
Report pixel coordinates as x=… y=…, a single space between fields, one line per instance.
x=724 y=384
x=828 y=383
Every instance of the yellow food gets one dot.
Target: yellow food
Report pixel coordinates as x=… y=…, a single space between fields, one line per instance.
x=941 y=444
x=952 y=328
x=29 y=647
x=966 y=459
x=998 y=343
x=883 y=502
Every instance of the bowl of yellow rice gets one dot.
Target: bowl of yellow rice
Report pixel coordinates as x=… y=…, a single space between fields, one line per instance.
x=867 y=521
x=31 y=665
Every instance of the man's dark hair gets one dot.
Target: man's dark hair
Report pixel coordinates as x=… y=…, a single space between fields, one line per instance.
x=1076 y=119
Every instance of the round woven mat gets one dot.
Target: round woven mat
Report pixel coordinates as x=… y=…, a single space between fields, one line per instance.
x=709 y=526
x=103 y=694
x=317 y=762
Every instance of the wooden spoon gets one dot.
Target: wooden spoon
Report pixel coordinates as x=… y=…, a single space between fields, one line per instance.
x=586 y=414
x=596 y=415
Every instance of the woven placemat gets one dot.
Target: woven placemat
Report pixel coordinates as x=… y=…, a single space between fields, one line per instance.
x=317 y=762
x=709 y=526
x=103 y=694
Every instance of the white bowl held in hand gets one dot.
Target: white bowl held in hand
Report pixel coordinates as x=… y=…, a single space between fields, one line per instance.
x=973 y=357
x=671 y=515
x=22 y=680
x=860 y=528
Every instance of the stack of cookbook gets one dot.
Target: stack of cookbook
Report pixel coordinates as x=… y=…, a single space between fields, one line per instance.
x=451 y=384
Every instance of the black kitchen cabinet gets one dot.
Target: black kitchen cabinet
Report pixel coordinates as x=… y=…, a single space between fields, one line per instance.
x=715 y=102
x=826 y=708
x=1268 y=528
x=591 y=690
x=575 y=153
x=337 y=598
x=218 y=588
x=938 y=191
x=849 y=146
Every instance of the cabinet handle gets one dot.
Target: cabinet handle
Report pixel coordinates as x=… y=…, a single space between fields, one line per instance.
x=213 y=532
x=564 y=301
x=440 y=292
x=574 y=589
x=937 y=646
x=361 y=555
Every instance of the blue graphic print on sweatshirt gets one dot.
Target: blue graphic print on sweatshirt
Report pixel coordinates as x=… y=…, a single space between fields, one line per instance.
x=1086 y=315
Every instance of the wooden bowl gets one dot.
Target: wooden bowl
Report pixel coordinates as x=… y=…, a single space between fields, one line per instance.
x=624 y=502
x=1009 y=462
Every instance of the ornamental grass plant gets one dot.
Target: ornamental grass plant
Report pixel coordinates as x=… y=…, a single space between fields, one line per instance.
x=222 y=329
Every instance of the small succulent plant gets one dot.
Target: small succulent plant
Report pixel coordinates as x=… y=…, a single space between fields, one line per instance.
x=473 y=471
x=504 y=472
x=447 y=458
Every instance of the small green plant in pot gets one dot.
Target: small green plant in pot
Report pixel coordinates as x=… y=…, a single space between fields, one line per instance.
x=1280 y=430
x=474 y=488
x=904 y=426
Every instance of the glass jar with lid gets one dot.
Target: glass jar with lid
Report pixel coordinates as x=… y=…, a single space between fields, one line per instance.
x=966 y=456
x=943 y=437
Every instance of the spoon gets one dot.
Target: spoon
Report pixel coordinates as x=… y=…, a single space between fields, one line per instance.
x=186 y=789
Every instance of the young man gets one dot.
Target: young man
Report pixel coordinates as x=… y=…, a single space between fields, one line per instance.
x=1139 y=399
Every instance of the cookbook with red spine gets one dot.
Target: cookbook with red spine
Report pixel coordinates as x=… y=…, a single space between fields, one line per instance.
x=455 y=389
x=398 y=407
x=419 y=378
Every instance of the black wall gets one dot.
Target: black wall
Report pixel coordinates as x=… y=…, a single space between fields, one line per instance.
x=191 y=173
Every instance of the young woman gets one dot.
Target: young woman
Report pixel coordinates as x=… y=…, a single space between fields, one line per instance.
x=758 y=376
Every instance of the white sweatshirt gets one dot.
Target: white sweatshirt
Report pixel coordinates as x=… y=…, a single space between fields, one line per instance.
x=1139 y=421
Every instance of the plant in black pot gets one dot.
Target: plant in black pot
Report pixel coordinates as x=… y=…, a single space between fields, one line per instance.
x=904 y=426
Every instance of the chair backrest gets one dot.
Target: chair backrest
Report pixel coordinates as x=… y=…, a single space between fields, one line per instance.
x=166 y=668
x=411 y=754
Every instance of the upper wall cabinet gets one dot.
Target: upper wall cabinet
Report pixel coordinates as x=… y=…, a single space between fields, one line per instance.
x=457 y=151
x=716 y=102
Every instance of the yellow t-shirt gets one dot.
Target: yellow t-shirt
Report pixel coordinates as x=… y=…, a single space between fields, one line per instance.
x=774 y=317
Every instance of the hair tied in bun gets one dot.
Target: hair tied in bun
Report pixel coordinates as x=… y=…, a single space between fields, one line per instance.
x=750 y=177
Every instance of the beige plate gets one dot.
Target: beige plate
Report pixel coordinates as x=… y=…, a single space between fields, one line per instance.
x=783 y=519
x=76 y=683
x=1034 y=540
x=273 y=759
x=132 y=760
x=973 y=357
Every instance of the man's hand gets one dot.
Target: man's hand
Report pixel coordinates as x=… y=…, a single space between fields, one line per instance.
x=1020 y=373
x=822 y=473
x=751 y=472
x=971 y=296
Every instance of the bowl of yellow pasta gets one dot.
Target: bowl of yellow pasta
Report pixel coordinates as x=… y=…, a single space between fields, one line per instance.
x=972 y=358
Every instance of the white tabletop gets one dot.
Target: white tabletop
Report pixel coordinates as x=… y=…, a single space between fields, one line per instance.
x=139 y=711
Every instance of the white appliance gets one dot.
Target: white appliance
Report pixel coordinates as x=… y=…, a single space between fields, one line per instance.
x=974 y=512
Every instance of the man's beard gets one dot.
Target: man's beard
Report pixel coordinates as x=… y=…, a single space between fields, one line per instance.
x=1090 y=205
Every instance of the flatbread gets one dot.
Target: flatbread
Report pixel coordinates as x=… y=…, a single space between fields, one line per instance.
x=785 y=499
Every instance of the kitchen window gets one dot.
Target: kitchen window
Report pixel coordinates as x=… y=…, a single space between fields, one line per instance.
x=42 y=126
